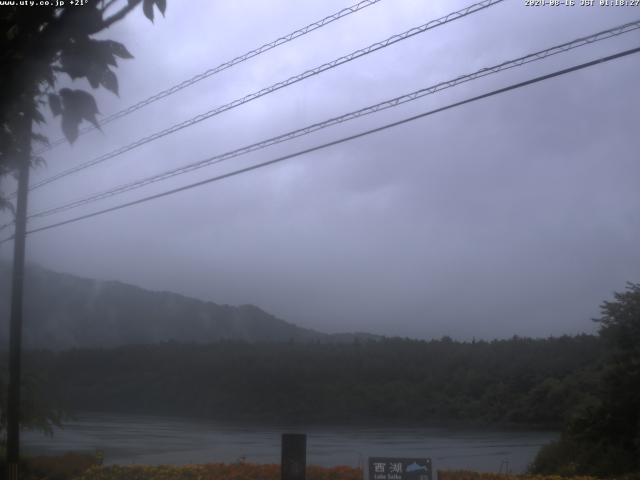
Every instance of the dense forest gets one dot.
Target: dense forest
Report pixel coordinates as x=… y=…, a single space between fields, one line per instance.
x=517 y=381
x=585 y=386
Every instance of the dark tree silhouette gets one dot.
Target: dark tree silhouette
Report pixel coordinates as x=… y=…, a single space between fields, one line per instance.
x=37 y=45
x=603 y=437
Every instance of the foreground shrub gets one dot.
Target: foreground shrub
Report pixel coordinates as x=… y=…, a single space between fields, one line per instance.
x=469 y=475
x=61 y=467
x=568 y=458
x=213 y=471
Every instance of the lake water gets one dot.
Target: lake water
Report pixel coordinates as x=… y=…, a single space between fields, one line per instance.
x=134 y=439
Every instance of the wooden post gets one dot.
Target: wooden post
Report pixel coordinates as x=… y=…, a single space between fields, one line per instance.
x=15 y=329
x=294 y=456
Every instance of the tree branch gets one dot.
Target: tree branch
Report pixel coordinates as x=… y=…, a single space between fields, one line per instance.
x=120 y=14
x=108 y=5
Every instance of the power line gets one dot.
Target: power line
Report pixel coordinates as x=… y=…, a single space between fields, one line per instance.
x=276 y=86
x=532 y=57
x=223 y=66
x=339 y=141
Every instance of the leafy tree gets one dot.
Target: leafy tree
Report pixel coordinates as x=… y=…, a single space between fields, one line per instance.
x=39 y=45
x=617 y=420
x=37 y=413
x=603 y=436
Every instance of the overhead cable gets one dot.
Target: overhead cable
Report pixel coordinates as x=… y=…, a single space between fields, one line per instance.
x=223 y=66
x=336 y=142
x=394 y=102
x=476 y=7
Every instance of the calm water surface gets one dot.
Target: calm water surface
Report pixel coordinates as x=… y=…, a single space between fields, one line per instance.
x=134 y=439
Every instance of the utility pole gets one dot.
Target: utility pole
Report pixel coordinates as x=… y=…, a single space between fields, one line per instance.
x=15 y=329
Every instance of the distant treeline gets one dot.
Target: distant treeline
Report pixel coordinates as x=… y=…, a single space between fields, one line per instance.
x=517 y=381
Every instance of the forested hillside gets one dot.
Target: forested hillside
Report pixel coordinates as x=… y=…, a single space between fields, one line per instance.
x=65 y=311
x=517 y=381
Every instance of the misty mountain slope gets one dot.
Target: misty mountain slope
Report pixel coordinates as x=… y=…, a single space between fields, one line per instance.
x=64 y=311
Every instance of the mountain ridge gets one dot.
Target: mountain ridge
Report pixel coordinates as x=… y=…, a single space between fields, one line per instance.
x=63 y=311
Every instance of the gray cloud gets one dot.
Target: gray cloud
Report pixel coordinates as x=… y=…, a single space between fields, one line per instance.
x=513 y=215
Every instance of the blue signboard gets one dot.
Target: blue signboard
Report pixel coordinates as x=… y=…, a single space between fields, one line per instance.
x=388 y=468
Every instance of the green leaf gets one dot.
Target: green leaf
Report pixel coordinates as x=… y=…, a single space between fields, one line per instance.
x=162 y=6
x=110 y=81
x=94 y=75
x=54 y=104
x=78 y=105
x=119 y=50
x=104 y=53
x=87 y=106
x=75 y=62
x=69 y=127
x=147 y=8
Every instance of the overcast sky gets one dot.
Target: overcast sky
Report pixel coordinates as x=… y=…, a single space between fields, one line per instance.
x=515 y=215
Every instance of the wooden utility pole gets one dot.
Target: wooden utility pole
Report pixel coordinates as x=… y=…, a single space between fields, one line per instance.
x=15 y=329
